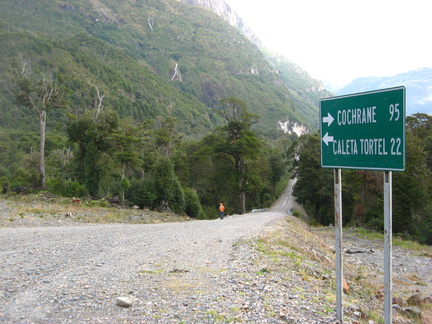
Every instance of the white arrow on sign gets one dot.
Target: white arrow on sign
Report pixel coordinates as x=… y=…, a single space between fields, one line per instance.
x=327 y=139
x=329 y=119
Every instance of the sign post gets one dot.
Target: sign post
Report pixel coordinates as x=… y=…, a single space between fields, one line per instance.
x=387 y=247
x=338 y=245
x=364 y=131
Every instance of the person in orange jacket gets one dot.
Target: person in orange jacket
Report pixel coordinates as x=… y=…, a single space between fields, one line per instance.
x=221 y=211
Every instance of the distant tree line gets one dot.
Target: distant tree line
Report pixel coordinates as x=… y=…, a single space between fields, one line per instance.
x=363 y=189
x=145 y=163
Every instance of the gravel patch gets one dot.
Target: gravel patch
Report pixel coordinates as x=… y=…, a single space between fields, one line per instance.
x=263 y=267
x=170 y=272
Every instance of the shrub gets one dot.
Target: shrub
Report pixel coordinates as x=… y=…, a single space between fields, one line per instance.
x=75 y=189
x=193 y=205
x=141 y=193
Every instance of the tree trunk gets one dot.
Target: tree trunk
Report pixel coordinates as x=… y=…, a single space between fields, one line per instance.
x=122 y=177
x=242 y=194
x=42 y=120
x=242 y=198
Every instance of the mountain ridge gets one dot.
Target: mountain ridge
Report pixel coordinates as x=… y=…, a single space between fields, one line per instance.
x=226 y=12
x=301 y=84
x=418 y=84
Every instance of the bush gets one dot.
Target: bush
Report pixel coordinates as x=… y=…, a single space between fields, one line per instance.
x=142 y=193
x=56 y=185
x=178 y=201
x=193 y=205
x=66 y=188
x=424 y=228
x=75 y=189
x=211 y=212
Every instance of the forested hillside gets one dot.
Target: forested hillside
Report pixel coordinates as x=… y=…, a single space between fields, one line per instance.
x=212 y=59
x=155 y=102
x=84 y=63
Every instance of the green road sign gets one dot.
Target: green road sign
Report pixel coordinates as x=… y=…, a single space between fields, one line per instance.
x=364 y=130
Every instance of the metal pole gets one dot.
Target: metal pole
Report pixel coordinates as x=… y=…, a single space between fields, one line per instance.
x=388 y=247
x=338 y=246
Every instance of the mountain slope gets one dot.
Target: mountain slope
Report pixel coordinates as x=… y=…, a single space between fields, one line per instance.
x=186 y=47
x=418 y=85
x=224 y=10
x=305 y=91
x=132 y=89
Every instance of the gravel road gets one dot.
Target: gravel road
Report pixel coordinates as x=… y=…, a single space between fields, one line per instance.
x=45 y=269
x=73 y=274
x=190 y=272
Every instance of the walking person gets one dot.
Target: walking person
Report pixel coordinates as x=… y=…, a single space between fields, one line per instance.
x=221 y=211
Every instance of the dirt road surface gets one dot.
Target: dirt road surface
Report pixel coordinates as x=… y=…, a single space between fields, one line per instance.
x=48 y=274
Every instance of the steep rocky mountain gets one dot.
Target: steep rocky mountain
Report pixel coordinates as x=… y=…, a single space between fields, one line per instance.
x=418 y=84
x=305 y=90
x=153 y=58
x=224 y=10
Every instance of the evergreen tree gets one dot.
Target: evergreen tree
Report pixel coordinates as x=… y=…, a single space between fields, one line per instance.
x=92 y=133
x=165 y=136
x=91 y=175
x=278 y=168
x=412 y=188
x=167 y=186
x=237 y=142
x=193 y=205
x=125 y=149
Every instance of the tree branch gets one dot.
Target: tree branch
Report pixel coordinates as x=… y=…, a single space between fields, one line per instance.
x=98 y=103
x=148 y=19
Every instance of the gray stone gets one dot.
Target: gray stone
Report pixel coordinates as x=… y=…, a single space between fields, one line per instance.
x=416 y=299
x=124 y=301
x=414 y=310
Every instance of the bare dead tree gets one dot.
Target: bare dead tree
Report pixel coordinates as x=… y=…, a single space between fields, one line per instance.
x=39 y=92
x=98 y=103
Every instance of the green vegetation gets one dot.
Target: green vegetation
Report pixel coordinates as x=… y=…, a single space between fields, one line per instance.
x=130 y=52
x=137 y=91
x=363 y=190
x=161 y=103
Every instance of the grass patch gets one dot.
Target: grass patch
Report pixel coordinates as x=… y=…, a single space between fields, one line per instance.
x=425 y=250
x=269 y=248
x=219 y=318
x=368 y=234
x=414 y=246
x=40 y=206
x=150 y=271
x=263 y=271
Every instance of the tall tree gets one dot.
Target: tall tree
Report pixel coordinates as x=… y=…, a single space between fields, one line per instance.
x=412 y=188
x=124 y=141
x=238 y=142
x=278 y=168
x=420 y=125
x=165 y=134
x=167 y=185
x=40 y=92
x=92 y=133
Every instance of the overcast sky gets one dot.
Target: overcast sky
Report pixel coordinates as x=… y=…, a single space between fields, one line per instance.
x=336 y=41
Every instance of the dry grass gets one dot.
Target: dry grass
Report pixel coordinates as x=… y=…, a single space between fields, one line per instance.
x=40 y=210
x=295 y=248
